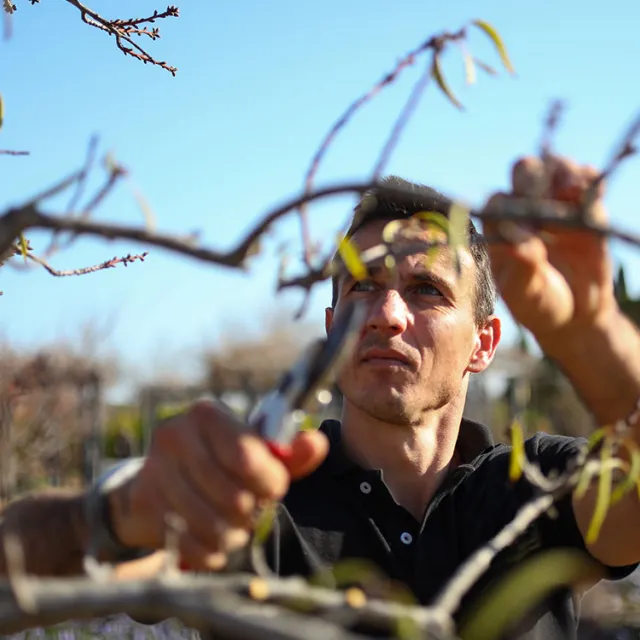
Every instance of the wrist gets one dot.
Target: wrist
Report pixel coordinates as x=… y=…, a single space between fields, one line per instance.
x=602 y=360
x=574 y=343
x=107 y=539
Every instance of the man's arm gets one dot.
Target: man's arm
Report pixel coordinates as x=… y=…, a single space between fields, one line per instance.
x=51 y=528
x=561 y=289
x=603 y=363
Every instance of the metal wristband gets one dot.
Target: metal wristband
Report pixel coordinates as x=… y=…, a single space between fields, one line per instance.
x=103 y=544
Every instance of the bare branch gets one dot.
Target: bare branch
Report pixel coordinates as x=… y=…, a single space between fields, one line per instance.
x=406 y=113
x=9 y=152
x=122 y=30
x=224 y=604
x=107 y=264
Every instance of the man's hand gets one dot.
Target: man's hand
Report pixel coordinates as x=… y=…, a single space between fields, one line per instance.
x=561 y=283
x=206 y=467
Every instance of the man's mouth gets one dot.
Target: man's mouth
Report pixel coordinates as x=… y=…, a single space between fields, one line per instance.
x=386 y=357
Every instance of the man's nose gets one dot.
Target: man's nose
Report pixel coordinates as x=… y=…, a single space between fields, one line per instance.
x=389 y=313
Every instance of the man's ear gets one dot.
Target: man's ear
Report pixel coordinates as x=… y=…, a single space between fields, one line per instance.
x=328 y=319
x=487 y=339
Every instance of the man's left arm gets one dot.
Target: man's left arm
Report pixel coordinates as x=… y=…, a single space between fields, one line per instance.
x=603 y=364
x=560 y=287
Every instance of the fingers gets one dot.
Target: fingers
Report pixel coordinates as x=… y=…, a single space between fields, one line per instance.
x=308 y=450
x=207 y=468
x=555 y=178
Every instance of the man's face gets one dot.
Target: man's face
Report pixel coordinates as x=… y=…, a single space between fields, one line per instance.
x=420 y=339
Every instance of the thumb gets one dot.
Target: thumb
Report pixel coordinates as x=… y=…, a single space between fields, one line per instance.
x=308 y=450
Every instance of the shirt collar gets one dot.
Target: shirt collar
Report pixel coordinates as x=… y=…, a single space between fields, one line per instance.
x=473 y=439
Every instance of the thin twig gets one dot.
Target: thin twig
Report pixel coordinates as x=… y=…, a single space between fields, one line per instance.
x=107 y=264
x=402 y=120
x=122 y=30
x=436 y=43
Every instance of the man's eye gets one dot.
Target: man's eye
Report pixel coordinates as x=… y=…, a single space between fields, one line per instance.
x=427 y=289
x=363 y=285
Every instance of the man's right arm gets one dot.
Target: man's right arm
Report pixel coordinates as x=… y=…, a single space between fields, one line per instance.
x=51 y=530
x=203 y=466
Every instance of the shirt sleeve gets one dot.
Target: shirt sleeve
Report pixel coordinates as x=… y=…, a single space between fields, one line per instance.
x=552 y=453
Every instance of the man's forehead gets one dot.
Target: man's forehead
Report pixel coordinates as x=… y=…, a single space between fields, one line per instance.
x=414 y=257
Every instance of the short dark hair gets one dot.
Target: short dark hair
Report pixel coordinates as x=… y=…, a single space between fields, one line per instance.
x=400 y=199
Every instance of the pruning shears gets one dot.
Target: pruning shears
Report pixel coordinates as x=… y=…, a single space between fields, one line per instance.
x=303 y=388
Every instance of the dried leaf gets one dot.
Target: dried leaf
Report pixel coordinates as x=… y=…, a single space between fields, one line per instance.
x=436 y=72
x=351 y=258
x=517 y=459
x=490 y=31
x=485 y=67
x=145 y=207
x=603 y=499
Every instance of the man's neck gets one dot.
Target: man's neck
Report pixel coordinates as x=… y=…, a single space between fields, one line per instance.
x=413 y=459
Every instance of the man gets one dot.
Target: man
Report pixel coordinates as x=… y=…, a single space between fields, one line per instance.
x=402 y=481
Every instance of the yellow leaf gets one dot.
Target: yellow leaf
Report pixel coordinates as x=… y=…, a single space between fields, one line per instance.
x=391 y=230
x=264 y=524
x=434 y=219
x=632 y=478
x=351 y=258
x=436 y=72
x=596 y=437
x=469 y=67
x=516 y=461
x=583 y=484
x=24 y=247
x=603 y=498
x=458 y=223
x=497 y=41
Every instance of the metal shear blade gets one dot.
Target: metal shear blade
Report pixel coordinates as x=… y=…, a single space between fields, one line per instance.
x=279 y=415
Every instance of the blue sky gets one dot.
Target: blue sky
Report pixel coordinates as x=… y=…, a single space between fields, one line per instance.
x=259 y=83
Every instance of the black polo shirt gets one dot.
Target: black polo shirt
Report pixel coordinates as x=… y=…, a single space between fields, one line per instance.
x=342 y=511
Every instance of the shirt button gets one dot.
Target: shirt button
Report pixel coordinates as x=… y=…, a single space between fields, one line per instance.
x=365 y=487
x=406 y=538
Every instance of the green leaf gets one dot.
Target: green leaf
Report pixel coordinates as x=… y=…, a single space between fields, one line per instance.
x=264 y=524
x=490 y=31
x=514 y=595
x=436 y=72
x=458 y=223
x=603 y=498
x=516 y=461
x=351 y=258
